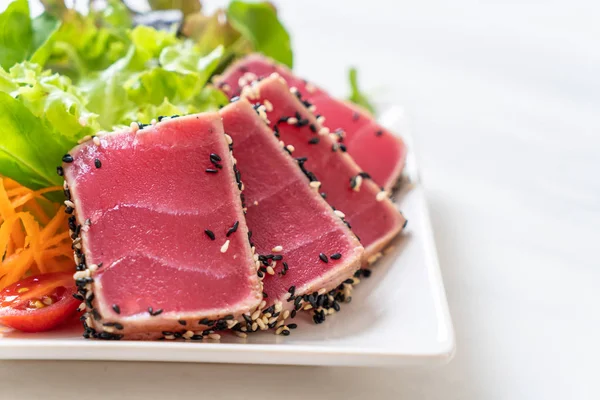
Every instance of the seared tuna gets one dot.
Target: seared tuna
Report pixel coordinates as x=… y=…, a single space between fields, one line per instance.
x=302 y=245
x=159 y=232
x=374 y=149
x=332 y=172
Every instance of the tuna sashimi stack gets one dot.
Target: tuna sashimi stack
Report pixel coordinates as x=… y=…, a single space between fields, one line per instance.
x=160 y=236
x=231 y=221
x=375 y=149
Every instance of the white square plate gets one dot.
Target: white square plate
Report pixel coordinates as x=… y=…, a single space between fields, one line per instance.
x=398 y=316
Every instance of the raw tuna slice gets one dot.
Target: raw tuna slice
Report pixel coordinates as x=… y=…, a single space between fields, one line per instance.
x=375 y=149
x=367 y=209
x=300 y=242
x=159 y=233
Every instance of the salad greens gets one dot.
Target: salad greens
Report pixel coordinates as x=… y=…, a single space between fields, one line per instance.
x=65 y=75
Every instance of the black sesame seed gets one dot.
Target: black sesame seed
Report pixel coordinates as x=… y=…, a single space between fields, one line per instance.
x=265 y=295
x=233 y=229
x=336 y=306
x=69 y=210
x=228 y=317
x=277 y=257
x=60 y=171
x=323 y=195
x=313 y=127
x=323 y=258
x=157 y=312
x=405 y=223
x=366 y=272
x=210 y=234
x=343 y=147
x=292 y=291
x=292 y=326
x=353 y=182
x=293 y=314
x=150 y=310
x=214 y=157
x=355 y=116
x=96 y=315
x=116 y=308
x=182 y=322
x=98 y=163
x=283 y=119
x=285 y=332
x=336 y=256
x=204 y=321
x=67 y=158
x=364 y=175
x=314 y=140
x=211 y=170
x=349 y=281
x=379 y=133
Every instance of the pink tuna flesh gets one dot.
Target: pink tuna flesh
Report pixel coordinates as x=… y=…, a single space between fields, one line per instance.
x=375 y=149
x=149 y=199
x=284 y=211
x=372 y=216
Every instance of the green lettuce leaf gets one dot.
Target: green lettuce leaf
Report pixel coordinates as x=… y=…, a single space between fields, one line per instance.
x=258 y=23
x=15 y=33
x=356 y=96
x=29 y=150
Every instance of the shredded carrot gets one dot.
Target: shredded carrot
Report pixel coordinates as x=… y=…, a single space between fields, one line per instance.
x=34 y=234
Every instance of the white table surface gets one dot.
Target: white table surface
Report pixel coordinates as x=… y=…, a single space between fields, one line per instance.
x=504 y=100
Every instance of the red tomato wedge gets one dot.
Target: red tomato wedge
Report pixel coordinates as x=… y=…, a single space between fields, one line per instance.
x=38 y=303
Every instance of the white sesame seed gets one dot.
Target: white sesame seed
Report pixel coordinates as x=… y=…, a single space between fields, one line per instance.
x=278 y=306
x=214 y=336
x=331 y=311
x=69 y=203
x=255 y=202
x=307 y=306
x=188 y=334
x=231 y=323
x=255 y=315
x=339 y=214
x=241 y=334
x=321 y=119
x=108 y=329
x=255 y=256
x=268 y=315
x=65 y=185
x=169 y=337
x=226 y=87
x=85 y=228
x=153 y=122
x=292 y=120
x=242 y=81
x=81 y=274
x=358 y=181
x=279 y=330
x=254 y=327
x=262 y=305
x=270 y=270
x=244 y=329
x=310 y=87
x=286 y=314
x=274 y=75
x=290 y=148
x=96 y=140
x=322 y=291
x=280 y=323
x=225 y=246
x=334 y=137
x=277 y=249
x=381 y=195
x=389 y=249
x=272 y=319
x=312 y=108
x=268 y=105
x=81 y=307
x=229 y=139
x=324 y=131
x=264 y=319
x=315 y=184
x=261 y=324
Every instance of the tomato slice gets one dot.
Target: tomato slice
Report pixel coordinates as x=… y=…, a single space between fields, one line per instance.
x=38 y=303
